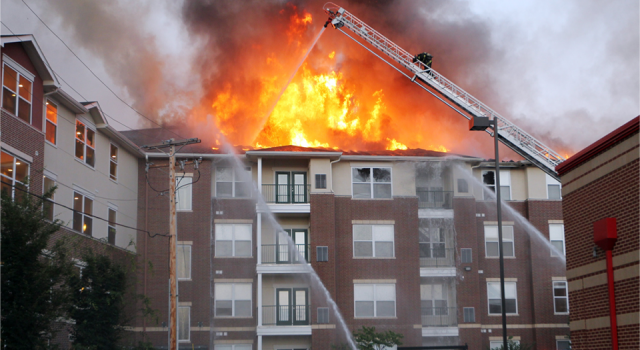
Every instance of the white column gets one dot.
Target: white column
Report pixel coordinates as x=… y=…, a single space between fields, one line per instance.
x=260 y=175
x=259 y=342
x=259 y=293
x=259 y=237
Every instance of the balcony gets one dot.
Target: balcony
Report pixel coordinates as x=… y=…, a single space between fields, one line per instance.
x=436 y=256
x=285 y=254
x=439 y=317
x=285 y=315
x=285 y=194
x=434 y=199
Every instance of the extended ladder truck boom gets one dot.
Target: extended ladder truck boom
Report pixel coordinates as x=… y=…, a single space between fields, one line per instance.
x=508 y=133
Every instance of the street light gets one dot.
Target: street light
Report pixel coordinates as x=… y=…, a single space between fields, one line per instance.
x=482 y=123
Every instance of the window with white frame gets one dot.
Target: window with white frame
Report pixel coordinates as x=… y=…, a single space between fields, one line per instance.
x=233 y=240
x=47 y=206
x=374 y=300
x=491 y=242
x=554 y=188
x=231 y=183
x=233 y=347
x=373 y=241
x=15 y=172
x=233 y=299
x=510 y=295
x=184 y=192
x=371 y=182
x=184 y=323
x=431 y=241
x=498 y=344
x=489 y=180
x=556 y=236
x=183 y=258
x=51 y=125
x=16 y=93
x=433 y=299
x=85 y=144
x=560 y=297
x=113 y=162
x=563 y=345
x=82 y=211
x=111 y=227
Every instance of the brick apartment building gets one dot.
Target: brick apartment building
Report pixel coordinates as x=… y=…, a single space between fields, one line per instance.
x=402 y=240
x=50 y=139
x=602 y=181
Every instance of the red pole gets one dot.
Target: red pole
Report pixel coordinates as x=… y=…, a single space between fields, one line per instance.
x=612 y=301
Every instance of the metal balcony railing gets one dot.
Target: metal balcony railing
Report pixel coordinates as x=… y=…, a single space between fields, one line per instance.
x=285 y=254
x=434 y=199
x=285 y=193
x=439 y=317
x=431 y=256
x=285 y=315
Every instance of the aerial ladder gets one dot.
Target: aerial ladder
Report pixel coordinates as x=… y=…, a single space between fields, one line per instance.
x=508 y=133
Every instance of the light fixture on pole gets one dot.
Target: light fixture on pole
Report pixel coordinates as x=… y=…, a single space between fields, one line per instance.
x=482 y=123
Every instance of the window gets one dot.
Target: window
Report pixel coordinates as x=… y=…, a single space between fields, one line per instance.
x=466 y=256
x=15 y=172
x=323 y=315
x=321 y=181
x=554 y=189
x=233 y=299
x=433 y=299
x=322 y=253
x=52 y=122
x=232 y=184
x=233 y=240
x=47 y=206
x=432 y=243
x=113 y=162
x=498 y=344
x=16 y=94
x=563 y=345
x=82 y=205
x=489 y=180
x=375 y=300
x=469 y=314
x=85 y=144
x=233 y=347
x=510 y=295
x=184 y=190
x=367 y=186
x=463 y=186
x=373 y=241
x=556 y=235
x=491 y=243
x=184 y=323
x=183 y=258
x=112 y=226
x=560 y=297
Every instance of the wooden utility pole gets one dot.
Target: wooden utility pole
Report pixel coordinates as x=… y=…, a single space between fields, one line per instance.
x=173 y=236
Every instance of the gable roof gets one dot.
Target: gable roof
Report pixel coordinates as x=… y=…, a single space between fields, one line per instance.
x=28 y=41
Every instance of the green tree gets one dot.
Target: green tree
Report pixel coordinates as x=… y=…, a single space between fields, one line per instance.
x=98 y=303
x=368 y=339
x=34 y=294
x=512 y=345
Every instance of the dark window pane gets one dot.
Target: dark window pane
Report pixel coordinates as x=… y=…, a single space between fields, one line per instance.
x=510 y=305
x=22 y=170
x=223 y=308
x=47 y=208
x=492 y=249
x=88 y=226
x=381 y=175
x=364 y=249
x=385 y=308
x=321 y=181
x=79 y=149
x=463 y=186
x=90 y=156
x=495 y=306
x=488 y=178
x=77 y=221
x=384 y=249
x=114 y=153
x=361 y=174
x=24 y=110
x=243 y=248
x=112 y=235
x=243 y=308
x=9 y=100
x=224 y=248
x=91 y=138
x=466 y=255
x=425 y=250
x=508 y=249
x=561 y=305
x=113 y=171
x=364 y=308
x=10 y=78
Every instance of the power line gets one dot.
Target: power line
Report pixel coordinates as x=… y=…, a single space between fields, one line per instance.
x=94 y=74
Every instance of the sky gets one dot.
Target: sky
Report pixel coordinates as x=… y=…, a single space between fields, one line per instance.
x=565 y=71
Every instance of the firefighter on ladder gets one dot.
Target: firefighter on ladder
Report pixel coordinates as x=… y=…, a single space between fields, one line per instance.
x=426 y=59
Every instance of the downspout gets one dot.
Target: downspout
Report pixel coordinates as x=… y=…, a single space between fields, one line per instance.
x=335 y=243
x=605 y=234
x=144 y=262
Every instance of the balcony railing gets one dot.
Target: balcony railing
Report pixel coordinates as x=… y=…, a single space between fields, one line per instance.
x=285 y=315
x=434 y=199
x=436 y=257
x=285 y=254
x=439 y=317
x=283 y=194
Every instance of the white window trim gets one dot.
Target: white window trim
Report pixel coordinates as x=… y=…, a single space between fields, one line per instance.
x=564 y=241
x=375 y=306
x=181 y=245
x=516 y=298
x=233 y=242
x=189 y=325
x=21 y=72
x=372 y=182
x=84 y=142
x=553 y=295
x=233 y=182
x=18 y=67
x=562 y=340
x=112 y=161
x=502 y=184
x=190 y=187
x=46 y=120
x=551 y=181
x=233 y=300
x=113 y=207
x=85 y=194
x=373 y=243
x=513 y=242
x=13 y=179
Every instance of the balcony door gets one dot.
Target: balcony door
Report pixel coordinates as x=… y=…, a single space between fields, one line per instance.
x=291 y=187
x=292 y=305
x=285 y=253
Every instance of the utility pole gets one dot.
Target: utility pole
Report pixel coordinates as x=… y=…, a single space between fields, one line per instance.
x=173 y=235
